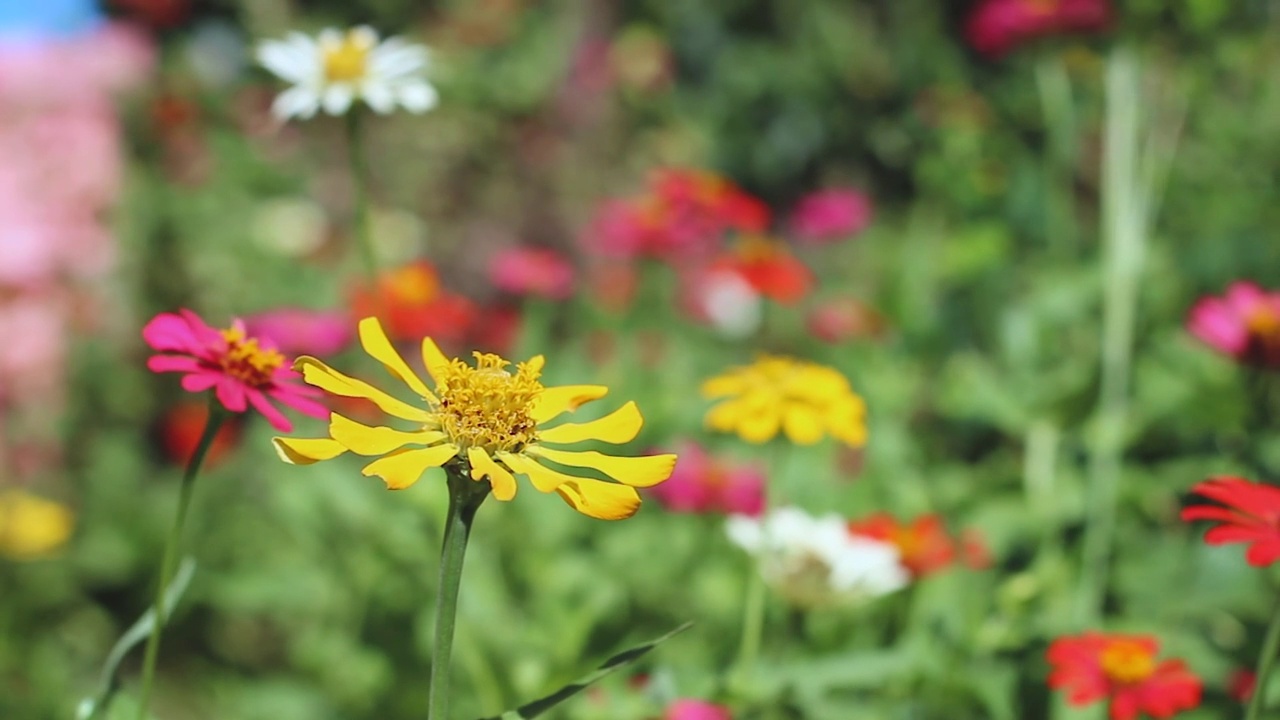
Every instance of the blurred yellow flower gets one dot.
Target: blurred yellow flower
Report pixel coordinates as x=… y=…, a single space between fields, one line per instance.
x=32 y=527
x=486 y=421
x=806 y=401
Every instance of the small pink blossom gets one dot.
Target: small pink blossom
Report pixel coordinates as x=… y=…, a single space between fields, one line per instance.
x=538 y=272
x=704 y=484
x=829 y=215
x=696 y=710
x=998 y=26
x=297 y=331
x=240 y=369
x=1244 y=323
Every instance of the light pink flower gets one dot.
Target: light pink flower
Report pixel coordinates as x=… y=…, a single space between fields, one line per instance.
x=241 y=370
x=539 y=272
x=696 y=710
x=829 y=215
x=701 y=483
x=33 y=369
x=1244 y=323
x=297 y=331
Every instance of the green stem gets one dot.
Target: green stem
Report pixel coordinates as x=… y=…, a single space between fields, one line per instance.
x=465 y=496
x=1269 y=648
x=211 y=426
x=360 y=191
x=752 y=625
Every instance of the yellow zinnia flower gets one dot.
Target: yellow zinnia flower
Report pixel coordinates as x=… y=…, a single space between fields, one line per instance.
x=806 y=401
x=486 y=421
x=32 y=527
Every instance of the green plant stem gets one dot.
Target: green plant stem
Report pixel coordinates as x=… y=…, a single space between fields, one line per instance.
x=360 y=200
x=216 y=417
x=465 y=497
x=1270 y=646
x=752 y=625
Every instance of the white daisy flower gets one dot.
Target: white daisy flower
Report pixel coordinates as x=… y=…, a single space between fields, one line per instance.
x=815 y=562
x=334 y=69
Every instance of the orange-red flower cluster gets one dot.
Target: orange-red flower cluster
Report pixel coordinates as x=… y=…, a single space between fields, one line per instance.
x=1125 y=671
x=1249 y=513
x=924 y=544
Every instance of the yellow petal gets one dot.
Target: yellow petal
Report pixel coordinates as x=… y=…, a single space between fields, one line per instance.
x=722 y=386
x=544 y=479
x=305 y=451
x=802 y=424
x=364 y=440
x=556 y=400
x=433 y=359
x=402 y=468
x=32 y=527
x=535 y=363
x=759 y=424
x=724 y=416
x=644 y=471
x=375 y=342
x=326 y=378
x=503 y=482
x=620 y=426
x=598 y=499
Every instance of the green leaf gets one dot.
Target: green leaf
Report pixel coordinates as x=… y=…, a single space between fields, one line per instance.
x=139 y=631
x=543 y=704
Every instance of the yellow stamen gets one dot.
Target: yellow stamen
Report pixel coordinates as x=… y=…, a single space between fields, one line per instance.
x=246 y=361
x=347 y=60
x=487 y=406
x=1128 y=662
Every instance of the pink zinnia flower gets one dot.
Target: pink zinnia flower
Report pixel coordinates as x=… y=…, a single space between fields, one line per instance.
x=297 y=331
x=696 y=710
x=539 y=272
x=241 y=370
x=1244 y=323
x=701 y=483
x=829 y=215
x=998 y=26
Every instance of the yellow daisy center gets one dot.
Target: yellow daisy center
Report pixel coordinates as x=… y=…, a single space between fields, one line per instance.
x=1127 y=662
x=347 y=60
x=245 y=361
x=487 y=406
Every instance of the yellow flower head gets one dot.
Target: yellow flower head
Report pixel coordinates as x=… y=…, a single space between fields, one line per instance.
x=486 y=420
x=806 y=401
x=32 y=527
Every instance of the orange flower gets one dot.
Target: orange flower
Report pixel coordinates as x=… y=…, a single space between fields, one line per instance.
x=769 y=268
x=412 y=304
x=923 y=543
x=1123 y=669
x=180 y=431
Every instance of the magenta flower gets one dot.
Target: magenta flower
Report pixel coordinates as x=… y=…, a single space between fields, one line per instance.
x=1244 y=323
x=829 y=215
x=701 y=483
x=297 y=331
x=241 y=370
x=998 y=26
x=696 y=710
x=538 y=272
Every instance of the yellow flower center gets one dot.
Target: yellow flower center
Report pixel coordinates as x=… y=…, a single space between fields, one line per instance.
x=1128 y=662
x=347 y=60
x=487 y=406
x=245 y=361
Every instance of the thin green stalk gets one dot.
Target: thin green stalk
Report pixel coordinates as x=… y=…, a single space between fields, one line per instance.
x=752 y=625
x=465 y=497
x=360 y=198
x=1270 y=646
x=216 y=417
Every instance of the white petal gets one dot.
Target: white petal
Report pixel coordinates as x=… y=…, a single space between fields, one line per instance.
x=290 y=59
x=297 y=101
x=330 y=38
x=337 y=98
x=378 y=96
x=391 y=61
x=417 y=97
x=365 y=36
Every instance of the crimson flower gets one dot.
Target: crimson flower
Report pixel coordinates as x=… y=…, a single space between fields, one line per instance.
x=1123 y=669
x=768 y=267
x=241 y=370
x=998 y=26
x=1252 y=516
x=1244 y=323
x=412 y=304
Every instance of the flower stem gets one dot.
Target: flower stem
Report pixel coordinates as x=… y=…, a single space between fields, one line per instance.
x=465 y=496
x=211 y=426
x=1269 y=648
x=360 y=198
x=752 y=625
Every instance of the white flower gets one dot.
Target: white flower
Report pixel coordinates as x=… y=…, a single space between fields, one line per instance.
x=817 y=561
x=731 y=304
x=334 y=69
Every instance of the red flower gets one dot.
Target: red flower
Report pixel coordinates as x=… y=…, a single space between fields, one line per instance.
x=998 y=26
x=842 y=319
x=924 y=544
x=1241 y=684
x=1252 y=516
x=1244 y=323
x=770 y=269
x=1123 y=668
x=241 y=370
x=412 y=304
x=180 y=431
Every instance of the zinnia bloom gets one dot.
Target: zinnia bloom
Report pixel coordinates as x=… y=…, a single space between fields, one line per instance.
x=299 y=331
x=335 y=69
x=539 y=272
x=768 y=268
x=32 y=527
x=804 y=400
x=696 y=710
x=1123 y=668
x=241 y=370
x=998 y=26
x=413 y=303
x=702 y=483
x=924 y=543
x=485 y=420
x=829 y=215
x=1244 y=323
x=815 y=561
x=842 y=319
x=1252 y=516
